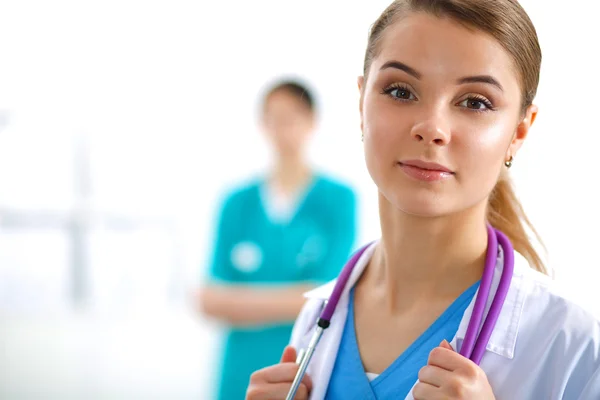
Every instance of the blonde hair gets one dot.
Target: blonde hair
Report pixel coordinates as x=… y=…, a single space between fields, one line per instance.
x=506 y=213
x=508 y=23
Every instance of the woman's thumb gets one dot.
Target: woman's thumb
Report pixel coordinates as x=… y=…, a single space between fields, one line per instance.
x=289 y=355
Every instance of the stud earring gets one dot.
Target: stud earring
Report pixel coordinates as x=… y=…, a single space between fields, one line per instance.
x=508 y=163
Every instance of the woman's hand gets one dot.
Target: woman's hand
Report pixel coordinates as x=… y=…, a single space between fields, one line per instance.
x=448 y=375
x=274 y=382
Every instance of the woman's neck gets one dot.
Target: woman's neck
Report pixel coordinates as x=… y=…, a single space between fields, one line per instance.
x=420 y=257
x=290 y=175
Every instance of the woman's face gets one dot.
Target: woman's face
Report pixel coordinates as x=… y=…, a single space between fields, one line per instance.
x=440 y=113
x=287 y=122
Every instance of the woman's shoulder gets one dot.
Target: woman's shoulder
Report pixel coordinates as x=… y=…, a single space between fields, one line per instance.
x=549 y=297
x=559 y=336
x=552 y=316
x=240 y=191
x=553 y=307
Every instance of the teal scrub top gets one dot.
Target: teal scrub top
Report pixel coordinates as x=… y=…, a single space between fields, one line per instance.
x=251 y=248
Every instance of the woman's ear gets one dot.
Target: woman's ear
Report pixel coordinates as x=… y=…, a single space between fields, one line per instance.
x=522 y=131
x=361 y=82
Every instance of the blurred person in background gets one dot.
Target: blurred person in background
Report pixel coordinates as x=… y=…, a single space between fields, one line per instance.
x=277 y=236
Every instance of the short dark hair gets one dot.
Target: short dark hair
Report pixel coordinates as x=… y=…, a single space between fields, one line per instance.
x=296 y=89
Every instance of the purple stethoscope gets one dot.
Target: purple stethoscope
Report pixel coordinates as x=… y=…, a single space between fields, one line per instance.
x=474 y=344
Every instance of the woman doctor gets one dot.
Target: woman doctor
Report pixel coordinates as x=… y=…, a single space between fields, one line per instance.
x=445 y=104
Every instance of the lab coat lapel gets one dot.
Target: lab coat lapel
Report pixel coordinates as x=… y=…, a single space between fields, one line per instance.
x=327 y=349
x=326 y=352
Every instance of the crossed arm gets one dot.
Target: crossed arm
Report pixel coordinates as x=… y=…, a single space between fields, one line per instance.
x=252 y=305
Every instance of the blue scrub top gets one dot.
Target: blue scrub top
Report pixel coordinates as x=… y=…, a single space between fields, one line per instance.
x=252 y=248
x=349 y=380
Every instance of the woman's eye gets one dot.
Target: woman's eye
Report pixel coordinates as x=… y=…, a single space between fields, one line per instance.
x=476 y=104
x=401 y=94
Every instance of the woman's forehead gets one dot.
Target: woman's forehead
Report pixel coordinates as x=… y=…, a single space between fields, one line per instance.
x=434 y=46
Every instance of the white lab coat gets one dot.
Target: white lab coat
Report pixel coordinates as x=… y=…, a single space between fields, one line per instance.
x=543 y=347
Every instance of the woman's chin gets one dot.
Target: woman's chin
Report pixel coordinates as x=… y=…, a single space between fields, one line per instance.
x=424 y=206
x=424 y=211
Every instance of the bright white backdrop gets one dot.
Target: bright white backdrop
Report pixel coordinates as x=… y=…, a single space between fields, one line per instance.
x=145 y=112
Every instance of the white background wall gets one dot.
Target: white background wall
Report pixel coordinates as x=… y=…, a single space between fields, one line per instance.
x=165 y=95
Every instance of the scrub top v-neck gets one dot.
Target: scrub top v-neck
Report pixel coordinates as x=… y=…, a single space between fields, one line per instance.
x=349 y=380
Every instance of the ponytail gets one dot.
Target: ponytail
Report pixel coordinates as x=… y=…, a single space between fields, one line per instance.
x=506 y=214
